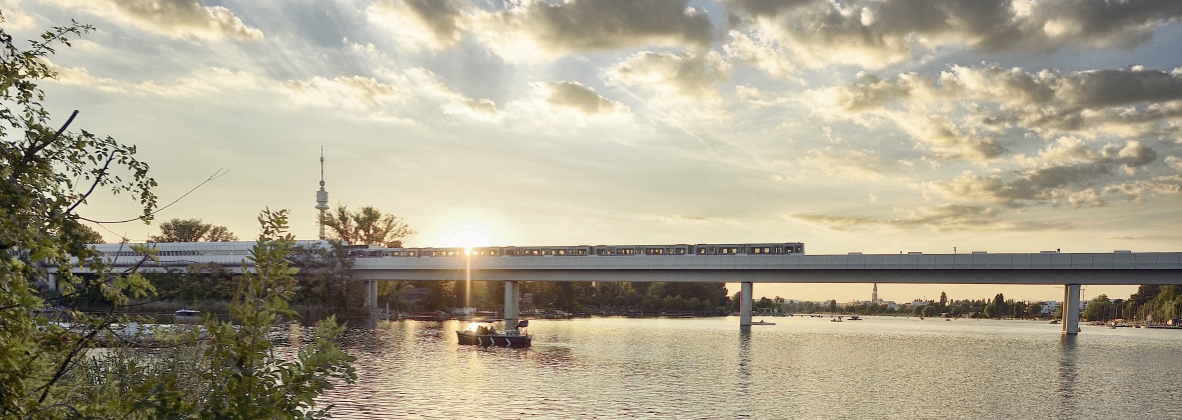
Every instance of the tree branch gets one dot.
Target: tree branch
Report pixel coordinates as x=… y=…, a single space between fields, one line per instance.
x=97 y=180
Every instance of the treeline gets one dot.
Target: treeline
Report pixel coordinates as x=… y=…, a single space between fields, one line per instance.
x=322 y=282
x=591 y=297
x=998 y=307
x=1152 y=304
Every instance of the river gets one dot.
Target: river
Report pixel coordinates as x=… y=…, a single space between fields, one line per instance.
x=706 y=368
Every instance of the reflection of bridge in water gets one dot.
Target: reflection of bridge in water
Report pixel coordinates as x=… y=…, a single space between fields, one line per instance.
x=740 y=263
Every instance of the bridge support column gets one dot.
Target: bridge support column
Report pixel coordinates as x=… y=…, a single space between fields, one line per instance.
x=371 y=294
x=512 y=313
x=745 y=304
x=1070 y=309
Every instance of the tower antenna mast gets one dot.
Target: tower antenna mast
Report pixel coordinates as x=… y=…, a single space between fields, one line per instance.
x=322 y=195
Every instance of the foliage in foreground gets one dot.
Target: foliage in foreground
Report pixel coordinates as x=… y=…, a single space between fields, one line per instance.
x=98 y=366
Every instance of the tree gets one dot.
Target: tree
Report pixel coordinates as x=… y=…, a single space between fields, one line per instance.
x=1034 y=310
x=192 y=230
x=47 y=172
x=943 y=299
x=367 y=226
x=1099 y=309
x=247 y=378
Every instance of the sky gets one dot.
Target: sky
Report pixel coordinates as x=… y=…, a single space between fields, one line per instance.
x=874 y=126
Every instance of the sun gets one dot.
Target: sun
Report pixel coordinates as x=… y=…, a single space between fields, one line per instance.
x=468 y=239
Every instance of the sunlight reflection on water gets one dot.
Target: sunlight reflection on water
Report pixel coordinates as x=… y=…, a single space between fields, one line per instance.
x=800 y=368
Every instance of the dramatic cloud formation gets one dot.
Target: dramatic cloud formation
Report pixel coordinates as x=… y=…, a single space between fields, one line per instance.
x=526 y=28
x=1066 y=170
x=964 y=112
x=874 y=33
x=176 y=18
x=682 y=75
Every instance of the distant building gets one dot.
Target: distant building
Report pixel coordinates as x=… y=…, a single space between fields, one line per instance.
x=1049 y=307
x=918 y=302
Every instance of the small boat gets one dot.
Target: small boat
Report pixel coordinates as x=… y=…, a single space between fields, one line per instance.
x=1054 y=321
x=855 y=318
x=763 y=323
x=484 y=333
x=186 y=316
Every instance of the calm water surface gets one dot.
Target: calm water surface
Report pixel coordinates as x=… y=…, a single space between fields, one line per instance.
x=707 y=368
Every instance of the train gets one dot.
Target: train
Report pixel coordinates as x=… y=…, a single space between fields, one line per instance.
x=775 y=248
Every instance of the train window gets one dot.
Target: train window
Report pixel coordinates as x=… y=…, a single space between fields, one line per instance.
x=654 y=251
x=602 y=252
x=625 y=251
x=582 y=252
x=702 y=250
x=779 y=250
x=680 y=251
x=492 y=253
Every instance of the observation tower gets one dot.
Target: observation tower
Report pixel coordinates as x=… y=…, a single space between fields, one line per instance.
x=321 y=196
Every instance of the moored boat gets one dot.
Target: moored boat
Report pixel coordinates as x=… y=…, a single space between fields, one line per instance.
x=484 y=333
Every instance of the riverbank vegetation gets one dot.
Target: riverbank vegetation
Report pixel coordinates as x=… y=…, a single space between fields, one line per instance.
x=105 y=364
x=1152 y=304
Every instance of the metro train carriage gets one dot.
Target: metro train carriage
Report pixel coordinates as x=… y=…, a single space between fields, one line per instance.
x=776 y=248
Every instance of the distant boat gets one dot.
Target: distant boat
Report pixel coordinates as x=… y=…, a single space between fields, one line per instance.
x=484 y=333
x=855 y=318
x=1054 y=321
x=763 y=323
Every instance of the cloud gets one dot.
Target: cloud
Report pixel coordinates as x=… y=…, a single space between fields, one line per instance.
x=1036 y=185
x=964 y=112
x=575 y=96
x=1174 y=162
x=942 y=218
x=759 y=52
x=476 y=109
x=345 y=92
x=528 y=28
x=875 y=33
x=435 y=24
x=175 y=18
x=683 y=75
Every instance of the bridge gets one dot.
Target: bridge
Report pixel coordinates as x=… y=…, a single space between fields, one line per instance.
x=737 y=263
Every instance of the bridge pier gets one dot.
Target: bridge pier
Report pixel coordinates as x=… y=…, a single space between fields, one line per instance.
x=512 y=313
x=371 y=294
x=1070 y=309
x=745 y=304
